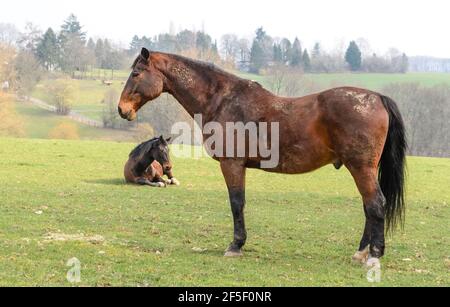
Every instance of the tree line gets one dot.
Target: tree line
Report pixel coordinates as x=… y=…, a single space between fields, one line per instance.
x=70 y=51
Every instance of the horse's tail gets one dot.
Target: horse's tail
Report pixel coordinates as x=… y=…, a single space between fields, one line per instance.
x=391 y=174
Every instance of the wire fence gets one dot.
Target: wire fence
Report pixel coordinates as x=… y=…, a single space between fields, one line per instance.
x=72 y=115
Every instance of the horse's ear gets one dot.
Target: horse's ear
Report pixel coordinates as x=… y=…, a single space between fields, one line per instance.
x=145 y=53
x=168 y=140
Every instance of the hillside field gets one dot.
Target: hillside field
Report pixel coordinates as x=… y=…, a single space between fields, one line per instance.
x=39 y=123
x=65 y=199
x=90 y=92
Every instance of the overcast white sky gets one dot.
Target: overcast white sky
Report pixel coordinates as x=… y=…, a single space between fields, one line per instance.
x=417 y=27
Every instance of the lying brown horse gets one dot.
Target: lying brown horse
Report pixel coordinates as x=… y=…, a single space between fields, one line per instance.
x=360 y=129
x=148 y=163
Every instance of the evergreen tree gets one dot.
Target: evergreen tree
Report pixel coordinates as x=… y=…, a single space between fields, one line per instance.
x=306 y=61
x=296 y=58
x=261 y=52
x=257 y=59
x=72 y=26
x=286 y=50
x=135 y=44
x=317 y=51
x=186 y=40
x=47 y=50
x=166 y=43
x=353 y=56
x=277 y=53
x=72 y=41
x=203 y=42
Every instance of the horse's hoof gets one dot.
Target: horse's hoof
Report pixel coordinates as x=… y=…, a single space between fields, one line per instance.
x=161 y=185
x=373 y=263
x=233 y=253
x=174 y=182
x=360 y=257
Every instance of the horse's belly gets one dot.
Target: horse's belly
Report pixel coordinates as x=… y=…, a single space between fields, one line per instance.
x=299 y=160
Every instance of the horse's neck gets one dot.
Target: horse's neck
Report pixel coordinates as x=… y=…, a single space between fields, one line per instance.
x=189 y=83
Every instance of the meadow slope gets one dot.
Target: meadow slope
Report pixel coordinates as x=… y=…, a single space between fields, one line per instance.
x=64 y=199
x=90 y=93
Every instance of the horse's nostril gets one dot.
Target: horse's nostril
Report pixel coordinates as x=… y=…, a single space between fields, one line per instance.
x=120 y=111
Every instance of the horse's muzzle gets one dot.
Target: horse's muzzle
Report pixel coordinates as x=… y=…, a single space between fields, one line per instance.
x=130 y=115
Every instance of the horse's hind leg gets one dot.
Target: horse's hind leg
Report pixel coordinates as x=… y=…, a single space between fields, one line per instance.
x=374 y=201
x=362 y=254
x=145 y=181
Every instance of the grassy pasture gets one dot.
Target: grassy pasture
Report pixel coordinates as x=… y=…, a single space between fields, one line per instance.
x=90 y=93
x=39 y=123
x=64 y=199
x=370 y=81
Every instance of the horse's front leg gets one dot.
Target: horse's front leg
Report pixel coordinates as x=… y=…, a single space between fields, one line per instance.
x=234 y=173
x=171 y=179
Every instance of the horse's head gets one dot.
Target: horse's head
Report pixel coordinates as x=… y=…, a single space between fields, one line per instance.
x=160 y=153
x=144 y=84
x=156 y=149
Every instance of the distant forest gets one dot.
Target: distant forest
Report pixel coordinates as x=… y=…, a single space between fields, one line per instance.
x=70 y=49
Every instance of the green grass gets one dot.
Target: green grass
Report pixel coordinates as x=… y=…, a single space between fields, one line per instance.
x=104 y=74
x=302 y=229
x=370 y=81
x=39 y=123
x=89 y=95
x=378 y=81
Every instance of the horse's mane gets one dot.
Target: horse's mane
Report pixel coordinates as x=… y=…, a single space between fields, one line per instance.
x=206 y=67
x=143 y=148
x=137 y=60
x=194 y=64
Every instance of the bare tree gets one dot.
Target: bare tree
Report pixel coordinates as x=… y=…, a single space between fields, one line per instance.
x=63 y=94
x=9 y=34
x=364 y=46
x=29 y=72
x=30 y=38
x=230 y=47
x=426 y=111
x=7 y=69
x=244 y=50
x=289 y=82
x=276 y=80
x=110 y=116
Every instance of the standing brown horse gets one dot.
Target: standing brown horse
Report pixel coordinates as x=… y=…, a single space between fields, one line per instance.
x=360 y=129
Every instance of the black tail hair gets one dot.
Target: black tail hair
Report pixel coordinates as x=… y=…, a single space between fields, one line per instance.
x=391 y=174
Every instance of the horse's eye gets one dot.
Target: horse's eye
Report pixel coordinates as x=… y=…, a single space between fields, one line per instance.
x=134 y=74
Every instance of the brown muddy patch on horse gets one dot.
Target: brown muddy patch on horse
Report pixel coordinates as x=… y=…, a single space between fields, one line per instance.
x=184 y=75
x=62 y=237
x=364 y=101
